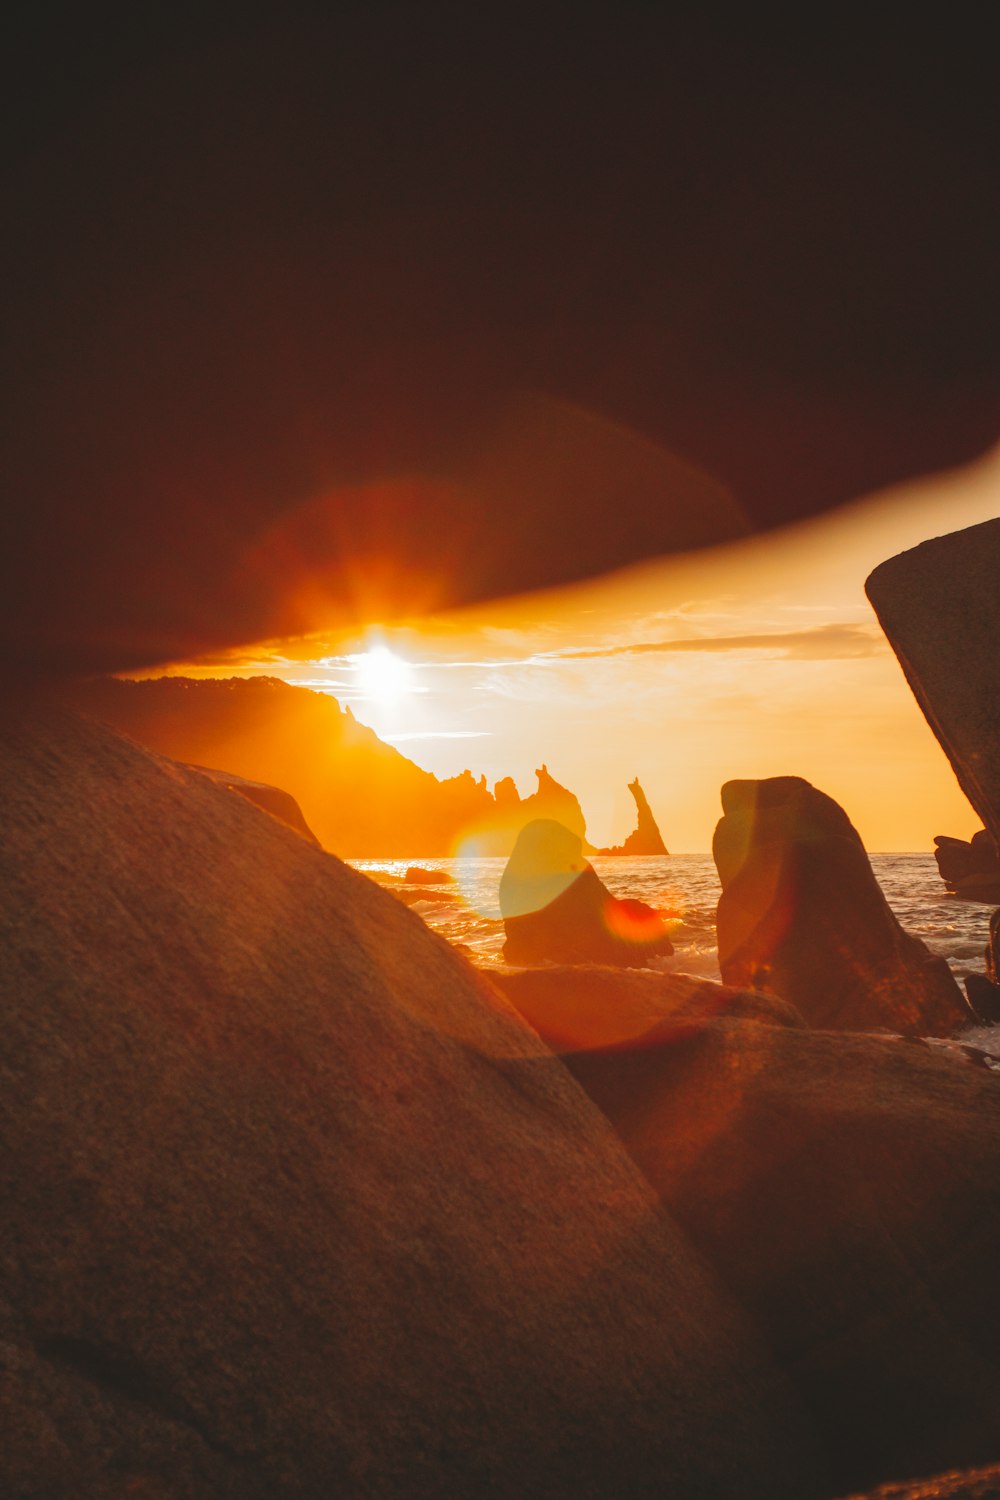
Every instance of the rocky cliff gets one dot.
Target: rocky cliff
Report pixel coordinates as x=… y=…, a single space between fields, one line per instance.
x=360 y=796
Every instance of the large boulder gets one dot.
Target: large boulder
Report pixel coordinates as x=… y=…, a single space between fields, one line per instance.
x=556 y=909
x=940 y=607
x=577 y=1007
x=801 y=913
x=845 y=1187
x=295 y=1204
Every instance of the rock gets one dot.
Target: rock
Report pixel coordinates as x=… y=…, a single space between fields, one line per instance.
x=970 y=869
x=583 y=1006
x=857 y=360
x=845 y=1186
x=281 y=805
x=360 y=796
x=801 y=913
x=940 y=608
x=983 y=990
x=993 y=950
x=295 y=1204
x=646 y=838
x=556 y=909
x=416 y=895
x=957 y=1484
x=416 y=875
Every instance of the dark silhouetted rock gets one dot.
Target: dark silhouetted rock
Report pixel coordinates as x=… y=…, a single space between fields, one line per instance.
x=970 y=869
x=417 y=875
x=939 y=604
x=556 y=909
x=801 y=913
x=846 y=1187
x=281 y=805
x=294 y=1204
x=646 y=838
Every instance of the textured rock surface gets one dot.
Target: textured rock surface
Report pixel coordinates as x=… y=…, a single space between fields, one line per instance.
x=587 y=1005
x=272 y=799
x=847 y=1188
x=969 y=868
x=557 y=910
x=956 y=1484
x=939 y=604
x=801 y=913
x=645 y=839
x=295 y=1205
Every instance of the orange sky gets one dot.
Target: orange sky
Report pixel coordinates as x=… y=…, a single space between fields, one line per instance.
x=761 y=658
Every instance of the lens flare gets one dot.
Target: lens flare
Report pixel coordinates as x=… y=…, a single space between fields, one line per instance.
x=383 y=675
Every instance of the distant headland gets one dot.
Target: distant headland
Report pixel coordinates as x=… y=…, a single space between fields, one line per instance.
x=360 y=796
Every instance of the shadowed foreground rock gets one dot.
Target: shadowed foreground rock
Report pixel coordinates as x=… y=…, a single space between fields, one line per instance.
x=295 y=1206
x=281 y=805
x=846 y=1188
x=556 y=909
x=802 y=914
x=583 y=1006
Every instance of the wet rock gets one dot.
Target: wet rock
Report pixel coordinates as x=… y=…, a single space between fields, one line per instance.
x=557 y=910
x=801 y=913
x=295 y=1204
x=845 y=1186
x=417 y=875
x=970 y=869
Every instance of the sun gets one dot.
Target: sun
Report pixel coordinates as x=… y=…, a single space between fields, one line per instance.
x=383 y=675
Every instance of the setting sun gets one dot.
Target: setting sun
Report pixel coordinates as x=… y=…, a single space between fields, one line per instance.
x=383 y=675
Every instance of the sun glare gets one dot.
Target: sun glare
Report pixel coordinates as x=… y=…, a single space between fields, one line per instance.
x=383 y=675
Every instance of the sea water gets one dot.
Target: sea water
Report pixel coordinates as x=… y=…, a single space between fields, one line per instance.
x=465 y=907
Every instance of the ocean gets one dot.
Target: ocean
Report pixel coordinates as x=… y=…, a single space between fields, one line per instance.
x=465 y=908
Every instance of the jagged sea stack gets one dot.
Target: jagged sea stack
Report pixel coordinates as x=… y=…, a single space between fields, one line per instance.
x=645 y=839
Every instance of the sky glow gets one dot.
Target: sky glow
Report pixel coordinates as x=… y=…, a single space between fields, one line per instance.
x=762 y=658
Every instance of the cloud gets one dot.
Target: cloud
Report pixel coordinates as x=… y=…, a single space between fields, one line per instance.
x=439 y=734
x=821 y=643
